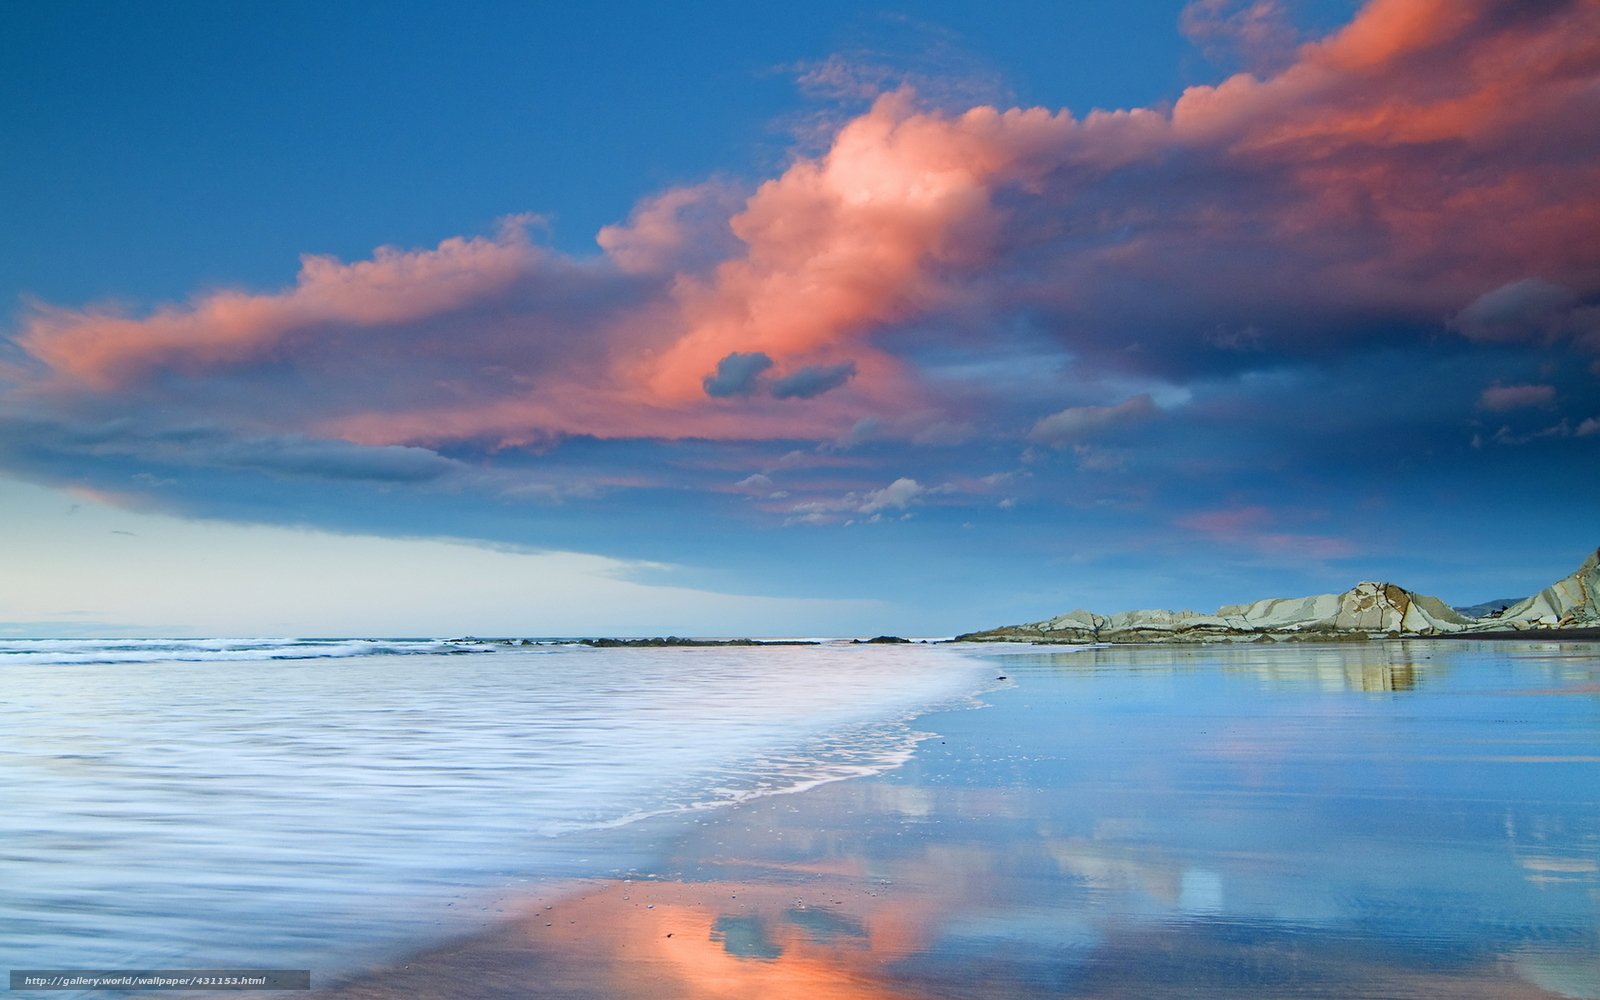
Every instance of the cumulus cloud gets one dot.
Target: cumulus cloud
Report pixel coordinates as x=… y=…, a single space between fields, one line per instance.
x=677 y=229
x=758 y=483
x=1078 y=422
x=1500 y=398
x=898 y=494
x=876 y=504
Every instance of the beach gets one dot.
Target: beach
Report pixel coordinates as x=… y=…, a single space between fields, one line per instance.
x=1401 y=819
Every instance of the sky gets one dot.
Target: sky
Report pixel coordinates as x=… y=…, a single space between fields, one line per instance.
x=732 y=319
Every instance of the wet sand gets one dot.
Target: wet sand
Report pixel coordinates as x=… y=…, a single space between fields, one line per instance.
x=1127 y=824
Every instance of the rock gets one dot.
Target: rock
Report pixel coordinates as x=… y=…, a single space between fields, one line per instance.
x=1571 y=602
x=1366 y=609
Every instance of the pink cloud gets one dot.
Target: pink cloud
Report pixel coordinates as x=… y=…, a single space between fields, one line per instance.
x=1232 y=522
x=667 y=230
x=1409 y=168
x=1500 y=398
x=227 y=328
x=1250 y=527
x=857 y=239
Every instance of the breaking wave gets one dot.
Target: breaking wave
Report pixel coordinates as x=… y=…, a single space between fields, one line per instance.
x=68 y=651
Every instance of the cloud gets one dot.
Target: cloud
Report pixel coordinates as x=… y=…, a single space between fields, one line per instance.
x=1506 y=437
x=1078 y=422
x=227 y=328
x=1528 y=309
x=336 y=459
x=938 y=273
x=677 y=229
x=1255 y=33
x=1500 y=398
x=740 y=374
x=57 y=445
x=891 y=51
x=897 y=494
x=1250 y=527
x=1232 y=521
x=813 y=380
x=1417 y=164
x=757 y=483
x=736 y=374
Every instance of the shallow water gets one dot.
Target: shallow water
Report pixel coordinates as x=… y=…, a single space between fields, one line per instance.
x=1400 y=819
x=295 y=804
x=1434 y=802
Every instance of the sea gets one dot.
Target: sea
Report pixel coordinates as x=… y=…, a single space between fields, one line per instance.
x=1386 y=818
x=329 y=803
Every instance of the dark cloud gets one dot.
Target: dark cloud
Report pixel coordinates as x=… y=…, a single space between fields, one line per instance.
x=813 y=381
x=322 y=459
x=737 y=374
x=1528 y=310
x=58 y=445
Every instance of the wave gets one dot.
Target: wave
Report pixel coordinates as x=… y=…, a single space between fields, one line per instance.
x=91 y=651
x=362 y=800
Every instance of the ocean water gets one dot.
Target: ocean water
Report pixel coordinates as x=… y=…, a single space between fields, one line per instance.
x=324 y=803
x=1383 y=819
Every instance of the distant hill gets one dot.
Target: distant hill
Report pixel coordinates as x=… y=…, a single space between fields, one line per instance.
x=1486 y=608
x=1367 y=610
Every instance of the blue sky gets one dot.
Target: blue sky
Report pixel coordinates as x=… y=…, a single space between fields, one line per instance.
x=795 y=320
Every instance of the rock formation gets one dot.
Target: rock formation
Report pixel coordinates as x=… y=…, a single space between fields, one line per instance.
x=1571 y=602
x=1367 y=610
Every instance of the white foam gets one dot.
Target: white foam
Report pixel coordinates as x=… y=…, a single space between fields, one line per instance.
x=82 y=651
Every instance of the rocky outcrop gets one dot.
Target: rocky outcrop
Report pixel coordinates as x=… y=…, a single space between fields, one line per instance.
x=1367 y=610
x=1571 y=602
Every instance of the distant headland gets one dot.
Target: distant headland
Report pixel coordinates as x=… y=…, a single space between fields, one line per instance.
x=1568 y=608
